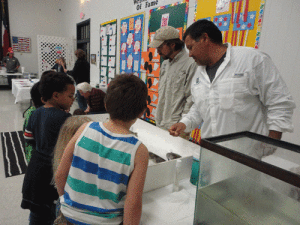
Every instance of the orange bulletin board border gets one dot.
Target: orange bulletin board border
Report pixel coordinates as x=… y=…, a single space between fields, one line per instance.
x=207 y=10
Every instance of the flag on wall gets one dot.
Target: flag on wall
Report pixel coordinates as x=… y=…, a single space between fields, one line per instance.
x=21 y=44
x=5 y=28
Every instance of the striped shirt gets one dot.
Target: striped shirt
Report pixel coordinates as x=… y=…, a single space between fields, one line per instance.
x=97 y=182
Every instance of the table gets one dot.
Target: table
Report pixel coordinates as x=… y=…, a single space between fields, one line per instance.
x=8 y=77
x=21 y=89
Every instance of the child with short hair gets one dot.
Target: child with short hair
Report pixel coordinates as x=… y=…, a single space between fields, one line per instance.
x=37 y=102
x=57 y=91
x=102 y=173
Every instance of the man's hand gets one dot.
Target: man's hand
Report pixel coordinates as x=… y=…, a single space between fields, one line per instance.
x=176 y=129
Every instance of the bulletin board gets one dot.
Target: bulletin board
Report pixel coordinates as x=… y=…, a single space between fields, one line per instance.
x=131 y=43
x=240 y=21
x=108 y=40
x=174 y=15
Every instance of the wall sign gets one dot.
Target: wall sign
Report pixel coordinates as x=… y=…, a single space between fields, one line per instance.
x=142 y=5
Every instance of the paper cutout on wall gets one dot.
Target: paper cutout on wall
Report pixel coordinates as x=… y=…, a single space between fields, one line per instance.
x=130 y=40
x=245 y=25
x=222 y=6
x=165 y=20
x=153 y=98
x=136 y=65
x=150 y=112
x=138 y=26
x=112 y=50
x=114 y=29
x=103 y=71
x=152 y=83
x=123 y=48
x=104 y=50
x=112 y=40
x=103 y=61
x=111 y=72
x=109 y=30
x=103 y=31
x=103 y=80
x=123 y=67
x=137 y=47
x=222 y=22
x=241 y=28
x=104 y=41
x=124 y=31
x=111 y=61
x=129 y=62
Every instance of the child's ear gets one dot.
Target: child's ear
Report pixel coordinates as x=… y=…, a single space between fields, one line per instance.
x=142 y=113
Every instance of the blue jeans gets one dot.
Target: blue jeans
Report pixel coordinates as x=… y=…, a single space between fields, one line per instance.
x=81 y=101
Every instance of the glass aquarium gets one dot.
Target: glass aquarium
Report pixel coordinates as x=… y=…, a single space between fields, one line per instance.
x=246 y=178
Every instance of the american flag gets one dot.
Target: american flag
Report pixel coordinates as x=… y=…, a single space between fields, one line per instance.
x=246 y=25
x=222 y=22
x=21 y=44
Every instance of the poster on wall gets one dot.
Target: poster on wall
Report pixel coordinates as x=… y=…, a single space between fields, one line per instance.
x=174 y=15
x=107 y=56
x=131 y=43
x=240 y=21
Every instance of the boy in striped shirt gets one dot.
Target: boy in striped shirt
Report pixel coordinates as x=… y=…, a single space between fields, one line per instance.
x=101 y=176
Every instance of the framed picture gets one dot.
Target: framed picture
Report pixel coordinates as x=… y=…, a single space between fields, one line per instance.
x=93 y=58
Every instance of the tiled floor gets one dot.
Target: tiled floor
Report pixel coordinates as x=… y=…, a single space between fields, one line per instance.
x=11 y=119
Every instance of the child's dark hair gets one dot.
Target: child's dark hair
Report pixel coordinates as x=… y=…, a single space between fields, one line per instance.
x=36 y=95
x=126 y=97
x=45 y=73
x=54 y=82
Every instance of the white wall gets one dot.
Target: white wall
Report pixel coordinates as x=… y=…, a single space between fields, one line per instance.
x=29 y=18
x=280 y=39
x=280 y=33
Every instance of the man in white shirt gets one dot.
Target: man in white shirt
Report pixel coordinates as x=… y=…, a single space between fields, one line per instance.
x=234 y=89
x=175 y=76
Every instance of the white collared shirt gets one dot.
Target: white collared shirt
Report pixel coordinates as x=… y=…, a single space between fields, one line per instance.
x=247 y=94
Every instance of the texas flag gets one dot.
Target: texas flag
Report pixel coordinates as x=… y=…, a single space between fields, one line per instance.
x=5 y=28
